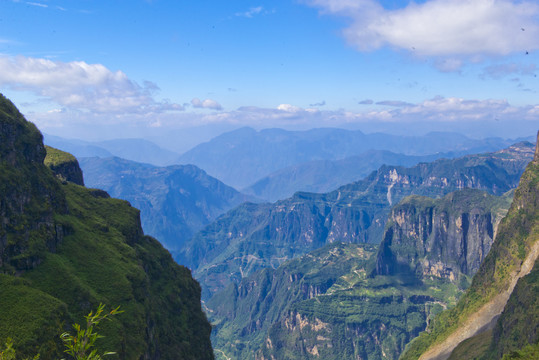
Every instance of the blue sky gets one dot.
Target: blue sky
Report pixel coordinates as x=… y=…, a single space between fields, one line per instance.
x=116 y=68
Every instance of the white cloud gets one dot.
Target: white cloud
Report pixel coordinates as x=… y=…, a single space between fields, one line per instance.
x=81 y=86
x=37 y=4
x=251 y=12
x=446 y=28
x=436 y=110
x=484 y=117
x=289 y=108
x=206 y=104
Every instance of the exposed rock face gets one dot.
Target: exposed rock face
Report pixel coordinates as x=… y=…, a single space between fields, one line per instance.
x=505 y=285
x=444 y=238
x=64 y=165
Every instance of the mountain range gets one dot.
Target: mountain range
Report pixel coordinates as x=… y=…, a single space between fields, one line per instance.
x=254 y=236
x=242 y=157
x=498 y=315
x=322 y=176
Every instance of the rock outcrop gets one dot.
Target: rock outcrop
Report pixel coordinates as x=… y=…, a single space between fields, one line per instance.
x=446 y=237
x=64 y=165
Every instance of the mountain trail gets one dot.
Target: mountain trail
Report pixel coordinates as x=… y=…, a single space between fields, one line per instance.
x=484 y=318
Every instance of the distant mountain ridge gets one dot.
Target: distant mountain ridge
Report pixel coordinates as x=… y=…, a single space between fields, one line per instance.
x=242 y=157
x=175 y=201
x=322 y=176
x=253 y=236
x=138 y=150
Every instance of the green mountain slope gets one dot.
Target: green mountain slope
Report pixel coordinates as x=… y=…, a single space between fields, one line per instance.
x=174 y=201
x=501 y=282
x=65 y=248
x=334 y=303
x=254 y=236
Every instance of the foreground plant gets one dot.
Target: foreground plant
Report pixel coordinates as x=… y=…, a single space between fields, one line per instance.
x=84 y=340
x=79 y=346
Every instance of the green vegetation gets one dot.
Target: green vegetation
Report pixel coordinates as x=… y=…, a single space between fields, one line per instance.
x=517 y=327
x=334 y=303
x=57 y=157
x=64 y=249
x=473 y=348
x=64 y=165
x=80 y=346
x=528 y=352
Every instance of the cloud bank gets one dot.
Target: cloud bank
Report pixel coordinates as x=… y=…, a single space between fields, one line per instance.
x=440 y=27
x=81 y=86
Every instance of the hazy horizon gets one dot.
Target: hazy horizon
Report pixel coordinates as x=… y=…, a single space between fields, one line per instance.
x=152 y=68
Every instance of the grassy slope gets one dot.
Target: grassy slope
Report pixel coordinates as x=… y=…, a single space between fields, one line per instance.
x=57 y=157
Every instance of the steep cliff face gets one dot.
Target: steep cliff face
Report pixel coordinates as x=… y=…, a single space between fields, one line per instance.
x=446 y=237
x=29 y=195
x=65 y=249
x=500 y=283
x=254 y=236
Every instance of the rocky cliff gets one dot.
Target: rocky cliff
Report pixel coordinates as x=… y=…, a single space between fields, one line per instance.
x=29 y=195
x=447 y=237
x=499 y=288
x=64 y=249
x=345 y=301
